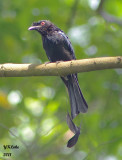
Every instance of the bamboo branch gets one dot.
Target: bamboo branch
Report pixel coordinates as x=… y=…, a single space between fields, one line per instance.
x=60 y=68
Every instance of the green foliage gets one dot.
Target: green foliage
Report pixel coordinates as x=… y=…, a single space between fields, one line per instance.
x=33 y=109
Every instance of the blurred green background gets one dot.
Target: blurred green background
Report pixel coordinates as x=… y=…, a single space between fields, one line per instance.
x=33 y=109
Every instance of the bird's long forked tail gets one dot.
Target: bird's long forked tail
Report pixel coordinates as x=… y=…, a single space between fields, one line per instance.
x=75 y=130
x=77 y=101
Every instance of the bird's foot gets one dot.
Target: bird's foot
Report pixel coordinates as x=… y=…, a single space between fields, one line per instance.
x=46 y=63
x=58 y=62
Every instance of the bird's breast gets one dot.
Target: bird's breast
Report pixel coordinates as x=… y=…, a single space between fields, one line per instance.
x=55 y=50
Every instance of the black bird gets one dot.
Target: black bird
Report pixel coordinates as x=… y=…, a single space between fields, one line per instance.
x=58 y=48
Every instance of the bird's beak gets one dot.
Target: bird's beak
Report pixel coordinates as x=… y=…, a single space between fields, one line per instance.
x=33 y=27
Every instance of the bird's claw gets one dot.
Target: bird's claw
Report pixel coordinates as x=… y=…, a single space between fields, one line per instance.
x=58 y=62
x=46 y=63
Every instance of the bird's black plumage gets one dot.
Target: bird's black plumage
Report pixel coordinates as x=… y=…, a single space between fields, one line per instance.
x=58 y=48
x=75 y=130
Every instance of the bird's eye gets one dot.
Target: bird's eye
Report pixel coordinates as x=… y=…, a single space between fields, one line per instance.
x=42 y=23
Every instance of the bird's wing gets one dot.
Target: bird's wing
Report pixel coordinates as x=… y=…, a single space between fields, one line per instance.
x=66 y=43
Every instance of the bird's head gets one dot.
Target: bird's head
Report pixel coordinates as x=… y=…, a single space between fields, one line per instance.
x=43 y=27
